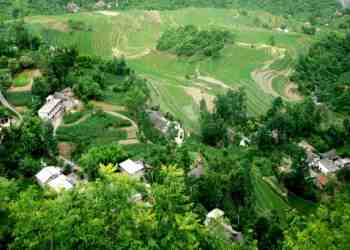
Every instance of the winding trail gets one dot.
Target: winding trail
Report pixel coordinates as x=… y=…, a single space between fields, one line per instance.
x=6 y=104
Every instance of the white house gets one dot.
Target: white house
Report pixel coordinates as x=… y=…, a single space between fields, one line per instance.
x=60 y=183
x=47 y=174
x=57 y=104
x=52 y=109
x=214 y=215
x=132 y=168
x=53 y=178
x=215 y=221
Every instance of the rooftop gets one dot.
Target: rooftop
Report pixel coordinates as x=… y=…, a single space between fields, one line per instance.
x=50 y=105
x=328 y=164
x=48 y=173
x=131 y=167
x=60 y=183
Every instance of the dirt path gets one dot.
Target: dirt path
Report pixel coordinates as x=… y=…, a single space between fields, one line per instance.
x=6 y=104
x=108 y=107
x=131 y=131
x=82 y=119
x=31 y=74
x=211 y=80
x=118 y=53
x=291 y=92
x=198 y=95
x=108 y=13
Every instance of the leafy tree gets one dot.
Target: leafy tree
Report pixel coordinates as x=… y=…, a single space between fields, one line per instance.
x=101 y=215
x=8 y=192
x=110 y=154
x=327 y=229
x=232 y=107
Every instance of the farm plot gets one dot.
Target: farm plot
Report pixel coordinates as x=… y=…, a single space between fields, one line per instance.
x=98 y=129
x=134 y=34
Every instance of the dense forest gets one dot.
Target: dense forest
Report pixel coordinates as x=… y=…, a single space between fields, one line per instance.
x=324 y=72
x=312 y=9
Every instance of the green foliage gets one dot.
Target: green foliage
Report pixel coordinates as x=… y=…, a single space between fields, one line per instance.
x=327 y=229
x=232 y=107
x=95 y=156
x=23 y=147
x=99 y=129
x=74 y=117
x=190 y=41
x=100 y=215
x=324 y=72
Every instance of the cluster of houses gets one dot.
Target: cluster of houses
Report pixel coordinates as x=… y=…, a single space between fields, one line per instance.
x=54 y=178
x=326 y=163
x=166 y=127
x=73 y=7
x=57 y=104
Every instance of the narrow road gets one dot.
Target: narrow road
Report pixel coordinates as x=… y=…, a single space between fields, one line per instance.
x=6 y=104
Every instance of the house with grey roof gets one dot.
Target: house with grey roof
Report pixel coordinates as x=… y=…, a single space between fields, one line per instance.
x=166 y=126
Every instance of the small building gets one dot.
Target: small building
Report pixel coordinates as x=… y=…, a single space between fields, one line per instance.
x=327 y=166
x=5 y=122
x=54 y=179
x=166 y=127
x=245 y=141
x=72 y=7
x=133 y=168
x=214 y=215
x=52 y=109
x=60 y=183
x=57 y=104
x=216 y=221
x=100 y=4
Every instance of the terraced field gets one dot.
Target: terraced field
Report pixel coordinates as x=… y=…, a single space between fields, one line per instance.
x=178 y=84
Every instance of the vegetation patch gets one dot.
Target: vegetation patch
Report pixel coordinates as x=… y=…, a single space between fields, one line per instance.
x=21 y=80
x=99 y=129
x=190 y=41
x=20 y=98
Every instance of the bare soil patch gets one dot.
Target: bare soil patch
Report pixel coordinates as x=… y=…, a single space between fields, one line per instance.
x=108 y=13
x=154 y=16
x=108 y=107
x=291 y=92
x=66 y=149
x=31 y=74
x=198 y=95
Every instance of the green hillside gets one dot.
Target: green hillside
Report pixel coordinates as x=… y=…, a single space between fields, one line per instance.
x=179 y=83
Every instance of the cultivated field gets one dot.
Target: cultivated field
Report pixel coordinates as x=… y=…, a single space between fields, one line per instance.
x=178 y=84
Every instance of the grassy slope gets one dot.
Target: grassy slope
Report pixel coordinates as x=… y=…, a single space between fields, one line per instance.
x=134 y=32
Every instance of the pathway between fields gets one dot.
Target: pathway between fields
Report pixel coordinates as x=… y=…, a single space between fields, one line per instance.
x=6 y=104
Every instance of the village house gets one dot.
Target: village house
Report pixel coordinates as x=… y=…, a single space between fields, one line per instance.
x=100 y=4
x=215 y=220
x=165 y=126
x=5 y=122
x=325 y=163
x=54 y=179
x=134 y=169
x=72 y=7
x=198 y=168
x=57 y=104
